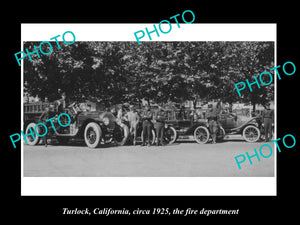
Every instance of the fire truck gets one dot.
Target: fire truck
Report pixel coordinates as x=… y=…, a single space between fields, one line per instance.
x=94 y=126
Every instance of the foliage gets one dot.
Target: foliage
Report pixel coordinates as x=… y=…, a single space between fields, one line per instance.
x=115 y=72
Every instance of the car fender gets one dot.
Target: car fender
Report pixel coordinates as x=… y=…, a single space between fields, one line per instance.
x=252 y=121
x=84 y=123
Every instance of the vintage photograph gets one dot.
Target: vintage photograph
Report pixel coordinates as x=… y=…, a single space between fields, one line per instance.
x=159 y=109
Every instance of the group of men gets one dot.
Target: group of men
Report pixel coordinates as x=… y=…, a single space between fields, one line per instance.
x=149 y=120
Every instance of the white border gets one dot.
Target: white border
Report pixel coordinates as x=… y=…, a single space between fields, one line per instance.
x=152 y=186
x=125 y=32
x=149 y=185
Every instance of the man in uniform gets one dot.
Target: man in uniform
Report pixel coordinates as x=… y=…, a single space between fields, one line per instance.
x=159 y=125
x=122 y=111
x=147 y=125
x=219 y=106
x=61 y=103
x=213 y=124
x=47 y=114
x=268 y=118
x=133 y=118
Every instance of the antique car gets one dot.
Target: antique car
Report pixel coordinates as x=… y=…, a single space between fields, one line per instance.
x=248 y=127
x=230 y=123
x=187 y=127
x=191 y=127
x=95 y=127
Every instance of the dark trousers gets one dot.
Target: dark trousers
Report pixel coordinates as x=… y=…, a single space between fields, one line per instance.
x=213 y=127
x=268 y=128
x=147 y=125
x=160 y=129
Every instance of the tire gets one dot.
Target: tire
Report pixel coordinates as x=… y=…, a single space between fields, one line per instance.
x=170 y=135
x=220 y=134
x=153 y=136
x=92 y=135
x=251 y=133
x=30 y=140
x=201 y=135
x=121 y=135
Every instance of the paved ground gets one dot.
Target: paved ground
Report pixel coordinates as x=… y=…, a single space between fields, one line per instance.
x=185 y=159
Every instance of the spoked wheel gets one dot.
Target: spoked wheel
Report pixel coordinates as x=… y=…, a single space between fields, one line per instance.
x=220 y=134
x=121 y=134
x=170 y=135
x=29 y=138
x=251 y=133
x=92 y=135
x=201 y=135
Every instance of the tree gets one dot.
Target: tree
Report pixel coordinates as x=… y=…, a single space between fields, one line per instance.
x=255 y=58
x=65 y=69
x=116 y=72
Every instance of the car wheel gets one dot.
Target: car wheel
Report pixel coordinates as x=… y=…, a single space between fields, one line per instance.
x=201 y=135
x=92 y=135
x=121 y=134
x=152 y=137
x=220 y=134
x=170 y=135
x=29 y=138
x=251 y=133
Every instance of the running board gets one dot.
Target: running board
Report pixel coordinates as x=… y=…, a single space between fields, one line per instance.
x=67 y=135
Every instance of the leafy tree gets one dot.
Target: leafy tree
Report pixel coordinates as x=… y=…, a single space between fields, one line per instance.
x=116 y=72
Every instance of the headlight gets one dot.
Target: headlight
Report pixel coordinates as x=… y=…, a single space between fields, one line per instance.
x=105 y=121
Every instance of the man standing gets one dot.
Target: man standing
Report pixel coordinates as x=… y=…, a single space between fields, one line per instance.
x=212 y=124
x=47 y=114
x=218 y=111
x=133 y=118
x=122 y=111
x=159 y=125
x=147 y=125
x=61 y=103
x=268 y=118
x=219 y=107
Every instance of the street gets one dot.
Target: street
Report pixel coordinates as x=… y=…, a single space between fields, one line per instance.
x=183 y=159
